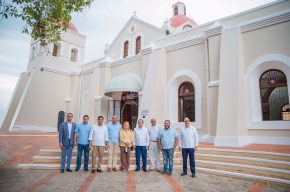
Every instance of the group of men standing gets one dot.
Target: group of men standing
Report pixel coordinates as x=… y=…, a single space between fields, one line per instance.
x=114 y=136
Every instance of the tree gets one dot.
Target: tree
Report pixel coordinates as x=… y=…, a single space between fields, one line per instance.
x=45 y=19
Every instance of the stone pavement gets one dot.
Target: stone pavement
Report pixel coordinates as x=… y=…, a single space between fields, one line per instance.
x=51 y=180
x=15 y=149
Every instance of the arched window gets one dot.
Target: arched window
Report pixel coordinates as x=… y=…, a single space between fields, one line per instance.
x=186 y=101
x=126 y=49
x=138 y=44
x=176 y=10
x=274 y=94
x=285 y=112
x=187 y=27
x=56 y=49
x=74 y=55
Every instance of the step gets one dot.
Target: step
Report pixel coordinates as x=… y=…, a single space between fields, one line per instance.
x=55 y=160
x=246 y=153
x=267 y=171
x=245 y=160
x=208 y=157
x=248 y=169
x=211 y=151
x=201 y=169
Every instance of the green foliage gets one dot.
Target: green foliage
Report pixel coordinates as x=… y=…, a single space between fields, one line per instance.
x=45 y=19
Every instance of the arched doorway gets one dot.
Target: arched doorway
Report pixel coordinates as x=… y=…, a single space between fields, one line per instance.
x=186 y=101
x=129 y=108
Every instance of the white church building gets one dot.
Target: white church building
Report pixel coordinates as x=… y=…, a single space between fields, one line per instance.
x=231 y=77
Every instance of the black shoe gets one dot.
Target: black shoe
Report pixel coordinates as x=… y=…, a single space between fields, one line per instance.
x=76 y=170
x=137 y=170
x=183 y=174
x=193 y=175
x=100 y=170
x=164 y=172
x=86 y=169
x=69 y=170
x=145 y=170
x=62 y=170
x=93 y=171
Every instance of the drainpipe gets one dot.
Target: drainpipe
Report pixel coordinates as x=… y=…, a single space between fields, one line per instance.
x=80 y=93
x=207 y=81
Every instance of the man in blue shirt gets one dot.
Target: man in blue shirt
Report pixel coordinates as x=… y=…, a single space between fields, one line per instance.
x=114 y=129
x=82 y=135
x=167 y=141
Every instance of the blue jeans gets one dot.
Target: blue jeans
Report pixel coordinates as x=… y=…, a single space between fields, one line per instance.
x=66 y=154
x=82 y=148
x=168 y=159
x=185 y=153
x=141 y=150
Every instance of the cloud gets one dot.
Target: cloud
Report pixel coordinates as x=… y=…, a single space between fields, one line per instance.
x=7 y=84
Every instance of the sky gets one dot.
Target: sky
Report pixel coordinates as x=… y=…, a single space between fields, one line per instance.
x=101 y=23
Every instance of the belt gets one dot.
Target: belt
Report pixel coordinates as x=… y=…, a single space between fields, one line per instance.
x=153 y=141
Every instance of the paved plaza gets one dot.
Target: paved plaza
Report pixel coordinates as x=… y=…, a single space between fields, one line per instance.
x=16 y=149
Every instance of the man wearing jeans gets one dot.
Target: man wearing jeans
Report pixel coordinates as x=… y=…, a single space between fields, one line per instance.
x=167 y=141
x=189 y=143
x=141 y=144
x=114 y=140
x=82 y=135
x=66 y=141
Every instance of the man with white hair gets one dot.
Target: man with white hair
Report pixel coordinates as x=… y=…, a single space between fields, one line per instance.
x=154 y=151
x=189 y=144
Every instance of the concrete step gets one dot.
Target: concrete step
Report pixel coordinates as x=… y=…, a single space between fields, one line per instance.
x=211 y=151
x=245 y=160
x=246 y=153
x=178 y=160
x=253 y=169
x=274 y=167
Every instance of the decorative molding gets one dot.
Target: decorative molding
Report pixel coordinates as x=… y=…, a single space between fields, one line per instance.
x=266 y=21
x=61 y=72
x=126 y=60
x=213 y=31
x=184 y=44
x=146 y=51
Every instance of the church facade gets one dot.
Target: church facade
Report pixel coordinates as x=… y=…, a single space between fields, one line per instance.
x=231 y=77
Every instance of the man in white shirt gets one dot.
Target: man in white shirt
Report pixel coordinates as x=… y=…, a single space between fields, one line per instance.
x=189 y=144
x=154 y=151
x=141 y=144
x=98 y=141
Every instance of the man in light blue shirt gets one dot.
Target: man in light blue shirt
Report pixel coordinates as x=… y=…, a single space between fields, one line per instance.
x=167 y=141
x=114 y=129
x=82 y=133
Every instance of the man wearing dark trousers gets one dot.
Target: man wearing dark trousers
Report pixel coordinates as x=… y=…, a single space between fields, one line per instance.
x=141 y=144
x=66 y=142
x=189 y=143
x=82 y=134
